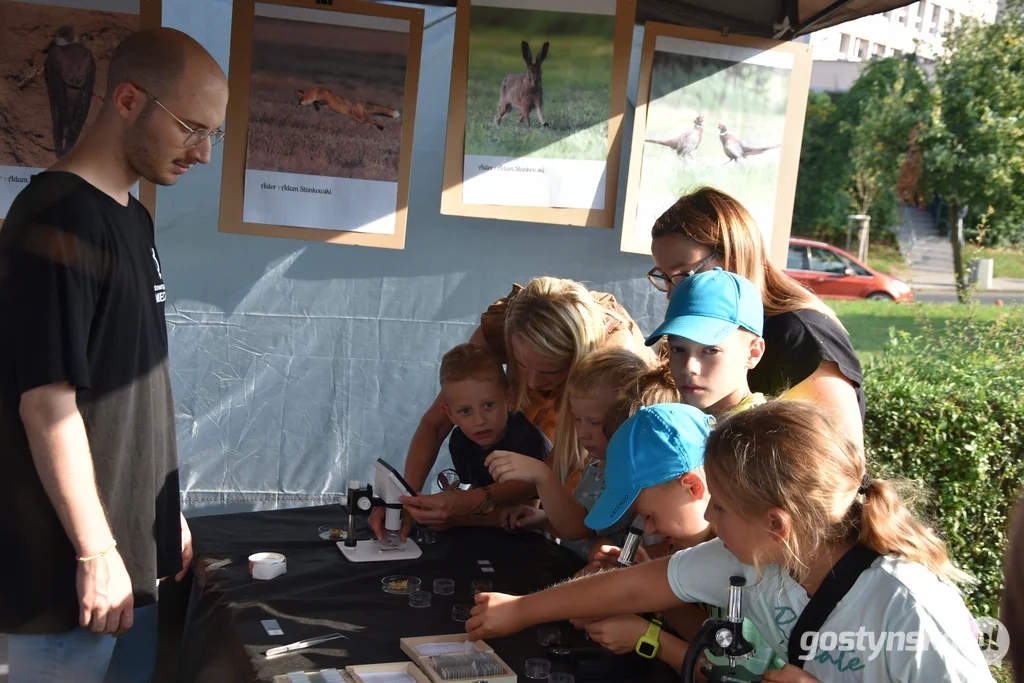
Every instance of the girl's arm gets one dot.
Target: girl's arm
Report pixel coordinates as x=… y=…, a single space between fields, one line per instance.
x=641 y=588
x=565 y=513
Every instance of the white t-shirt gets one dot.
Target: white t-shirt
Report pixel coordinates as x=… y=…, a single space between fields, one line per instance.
x=897 y=603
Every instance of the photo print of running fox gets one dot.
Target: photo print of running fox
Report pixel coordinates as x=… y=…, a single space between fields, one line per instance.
x=53 y=76
x=538 y=91
x=724 y=111
x=322 y=109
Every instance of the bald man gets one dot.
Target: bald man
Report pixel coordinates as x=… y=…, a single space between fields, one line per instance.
x=89 y=512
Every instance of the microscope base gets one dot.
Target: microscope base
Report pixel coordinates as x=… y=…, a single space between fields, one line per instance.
x=369 y=551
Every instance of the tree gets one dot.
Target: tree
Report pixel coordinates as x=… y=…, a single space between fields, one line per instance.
x=974 y=156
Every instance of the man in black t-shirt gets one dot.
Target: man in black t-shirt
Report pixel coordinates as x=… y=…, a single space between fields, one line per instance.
x=89 y=499
x=476 y=397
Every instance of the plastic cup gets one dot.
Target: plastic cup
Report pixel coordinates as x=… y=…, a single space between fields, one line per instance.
x=461 y=612
x=426 y=536
x=444 y=586
x=561 y=677
x=480 y=586
x=400 y=585
x=419 y=599
x=549 y=635
x=538 y=669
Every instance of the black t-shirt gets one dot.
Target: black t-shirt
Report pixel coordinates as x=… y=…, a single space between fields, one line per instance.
x=795 y=344
x=82 y=301
x=522 y=436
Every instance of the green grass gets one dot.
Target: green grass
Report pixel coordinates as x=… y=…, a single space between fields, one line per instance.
x=868 y=322
x=577 y=94
x=1007 y=262
x=886 y=258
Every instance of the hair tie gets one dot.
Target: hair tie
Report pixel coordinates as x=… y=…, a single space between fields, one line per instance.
x=865 y=484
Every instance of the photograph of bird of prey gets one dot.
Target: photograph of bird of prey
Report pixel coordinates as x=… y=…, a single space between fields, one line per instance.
x=53 y=76
x=70 y=73
x=746 y=94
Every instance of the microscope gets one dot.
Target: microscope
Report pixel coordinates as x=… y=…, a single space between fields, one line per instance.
x=722 y=638
x=361 y=501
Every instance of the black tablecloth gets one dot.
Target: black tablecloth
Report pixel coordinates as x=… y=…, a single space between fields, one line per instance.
x=322 y=592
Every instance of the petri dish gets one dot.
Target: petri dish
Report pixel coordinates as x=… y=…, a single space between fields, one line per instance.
x=332 y=533
x=549 y=635
x=419 y=599
x=538 y=669
x=480 y=586
x=461 y=612
x=444 y=586
x=400 y=585
x=426 y=536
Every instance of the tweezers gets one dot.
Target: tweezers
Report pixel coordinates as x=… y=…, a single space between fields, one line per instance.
x=302 y=644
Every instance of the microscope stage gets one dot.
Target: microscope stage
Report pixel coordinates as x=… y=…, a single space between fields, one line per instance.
x=370 y=551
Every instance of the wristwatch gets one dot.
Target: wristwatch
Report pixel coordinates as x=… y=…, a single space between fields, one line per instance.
x=647 y=646
x=488 y=504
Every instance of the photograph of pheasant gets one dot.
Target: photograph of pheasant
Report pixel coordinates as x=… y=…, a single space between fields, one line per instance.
x=693 y=82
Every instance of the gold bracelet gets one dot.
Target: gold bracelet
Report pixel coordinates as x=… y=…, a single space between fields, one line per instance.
x=97 y=555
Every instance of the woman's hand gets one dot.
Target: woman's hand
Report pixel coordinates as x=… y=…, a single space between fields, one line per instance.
x=521 y=516
x=618 y=634
x=438 y=510
x=494 y=615
x=506 y=466
x=788 y=674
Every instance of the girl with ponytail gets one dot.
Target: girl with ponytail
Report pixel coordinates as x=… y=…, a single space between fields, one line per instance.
x=790 y=497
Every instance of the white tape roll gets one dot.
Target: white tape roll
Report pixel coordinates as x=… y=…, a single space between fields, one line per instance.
x=265 y=566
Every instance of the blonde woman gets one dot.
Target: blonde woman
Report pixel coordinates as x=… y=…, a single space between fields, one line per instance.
x=542 y=332
x=808 y=353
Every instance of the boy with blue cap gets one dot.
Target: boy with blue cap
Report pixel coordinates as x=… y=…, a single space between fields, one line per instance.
x=655 y=467
x=714 y=323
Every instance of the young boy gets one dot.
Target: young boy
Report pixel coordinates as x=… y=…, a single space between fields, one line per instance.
x=714 y=323
x=477 y=398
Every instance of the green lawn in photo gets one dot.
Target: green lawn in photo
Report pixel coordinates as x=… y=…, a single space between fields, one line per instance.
x=576 y=77
x=750 y=100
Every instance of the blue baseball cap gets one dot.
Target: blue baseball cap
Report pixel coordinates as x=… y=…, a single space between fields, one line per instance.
x=657 y=444
x=709 y=306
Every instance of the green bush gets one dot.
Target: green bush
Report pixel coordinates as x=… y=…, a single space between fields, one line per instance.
x=946 y=410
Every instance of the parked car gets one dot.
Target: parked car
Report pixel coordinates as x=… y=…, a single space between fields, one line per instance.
x=829 y=271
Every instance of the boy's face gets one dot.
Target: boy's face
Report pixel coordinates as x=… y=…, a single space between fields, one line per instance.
x=589 y=414
x=671 y=509
x=479 y=407
x=709 y=375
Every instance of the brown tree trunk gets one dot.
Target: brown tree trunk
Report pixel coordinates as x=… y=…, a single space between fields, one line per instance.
x=955 y=231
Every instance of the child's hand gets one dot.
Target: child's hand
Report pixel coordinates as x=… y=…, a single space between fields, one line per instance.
x=607 y=557
x=788 y=674
x=494 y=615
x=506 y=466
x=618 y=634
x=521 y=516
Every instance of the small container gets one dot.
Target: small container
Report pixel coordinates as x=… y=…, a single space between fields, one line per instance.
x=426 y=536
x=461 y=612
x=444 y=586
x=400 y=585
x=561 y=677
x=549 y=635
x=538 y=669
x=419 y=599
x=480 y=586
x=332 y=533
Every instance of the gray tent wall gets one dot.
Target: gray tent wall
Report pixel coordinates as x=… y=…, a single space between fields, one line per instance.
x=296 y=364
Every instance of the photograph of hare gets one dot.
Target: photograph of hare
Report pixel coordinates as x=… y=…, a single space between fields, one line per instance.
x=326 y=99
x=715 y=122
x=539 y=83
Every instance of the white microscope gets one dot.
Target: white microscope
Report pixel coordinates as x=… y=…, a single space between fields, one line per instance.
x=361 y=501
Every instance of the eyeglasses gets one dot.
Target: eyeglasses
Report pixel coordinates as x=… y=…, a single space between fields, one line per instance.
x=196 y=136
x=661 y=281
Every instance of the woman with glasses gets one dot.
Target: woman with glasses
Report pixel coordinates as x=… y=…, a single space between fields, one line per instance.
x=541 y=332
x=808 y=353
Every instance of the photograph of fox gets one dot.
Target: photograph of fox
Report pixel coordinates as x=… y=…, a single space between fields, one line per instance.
x=557 y=66
x=326 y=99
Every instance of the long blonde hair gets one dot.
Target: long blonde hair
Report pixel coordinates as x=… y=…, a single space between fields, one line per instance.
x=718 y=221
x=791 y=455
x=653 y=387
x=558 y=319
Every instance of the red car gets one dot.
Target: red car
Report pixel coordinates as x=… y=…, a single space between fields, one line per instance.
x=830 y=272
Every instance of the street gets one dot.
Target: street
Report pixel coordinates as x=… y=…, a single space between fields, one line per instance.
x=937 y=297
